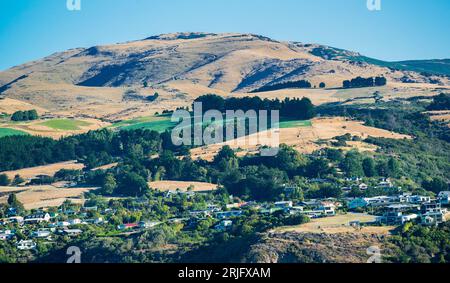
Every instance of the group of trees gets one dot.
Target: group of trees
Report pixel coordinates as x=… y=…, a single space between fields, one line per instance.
x=364 y=82
x=284 y=85
x=289 y=108
x=94 y=148
x=440 y=102
x=25 y=115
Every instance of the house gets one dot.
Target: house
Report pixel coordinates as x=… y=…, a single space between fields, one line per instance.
x=357 y=203
x=283 y=204
x=127 y=226
x=98 y=220
x=296 y=209
x=326 y=209
x=433 y=218
x=63 y=224
x=224 y=225
x=15 y=219
x=394 y=215
x=37 y=218
x=272 y=210
x=11 y=211
x=363 y=187
x=430 y=207
x=75 y=221
x=200 y=213
x=419 y=199
x=229 y=214
x=409 y=218
x=150 y=224
x=90 y=208
x=41 y=233
x=236 y=205
x=26 y=245
x=385 y=183
x=72 y=232
x=444 y=197
x=6 y=234
x=213 y=208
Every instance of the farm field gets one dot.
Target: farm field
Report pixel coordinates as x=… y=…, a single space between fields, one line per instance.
x=303 y=138
x=295 y=124
x=55 y=128
x=35 y=197
x=182 y=186
x=338 y=224
x=65 y=124
x=5 y=132
x=50 y=170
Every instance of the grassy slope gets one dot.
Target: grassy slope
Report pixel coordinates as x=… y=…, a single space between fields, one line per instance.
x=64 y=124
x=5 y=132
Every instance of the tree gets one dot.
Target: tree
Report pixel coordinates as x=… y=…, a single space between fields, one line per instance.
x=14 y=202
x=18 y=180
x=322 y=85
x=435 y=185
x=4 y=180
x=132 y=184
x=369 y=167
x=109 y=184
x=352 y=164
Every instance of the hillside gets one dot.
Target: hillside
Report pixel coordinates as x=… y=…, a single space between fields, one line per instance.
x=183 y=66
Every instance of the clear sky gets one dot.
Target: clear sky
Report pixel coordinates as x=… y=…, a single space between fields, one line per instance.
x=402 y=29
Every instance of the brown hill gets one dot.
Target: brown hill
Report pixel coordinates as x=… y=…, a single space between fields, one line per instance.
x=183 y=66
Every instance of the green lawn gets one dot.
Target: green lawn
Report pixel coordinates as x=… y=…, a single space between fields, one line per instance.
x=158 y=126
x=5 y=132
x=64 y=124
x=295 y=124
x=163 y=123
x=139 y=120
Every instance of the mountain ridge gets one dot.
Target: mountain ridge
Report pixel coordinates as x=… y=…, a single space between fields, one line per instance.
x=181 y=66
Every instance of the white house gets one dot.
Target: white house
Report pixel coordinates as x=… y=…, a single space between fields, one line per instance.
x=6 y=235
x=283 y=204
x=363 y=187
x=37 y=218
x=26 y=245
x=72 y=232
x=224 y=225
x=63 y=224
x=74 y=221
x=41 y=233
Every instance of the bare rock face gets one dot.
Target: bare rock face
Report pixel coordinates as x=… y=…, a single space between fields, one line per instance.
x=314 y=248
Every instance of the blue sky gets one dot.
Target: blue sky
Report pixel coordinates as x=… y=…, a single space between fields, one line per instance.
x=403 y=29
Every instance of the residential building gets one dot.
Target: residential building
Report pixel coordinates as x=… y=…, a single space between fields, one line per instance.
x=41 y=233
x=72 y=232
x=37 y=218
x=26 y=245
x=224 y=225
x=148 y=224
x=6 y=234
x=444 y=197
x=127 y=226
x=283 y=204
x=229 y=214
